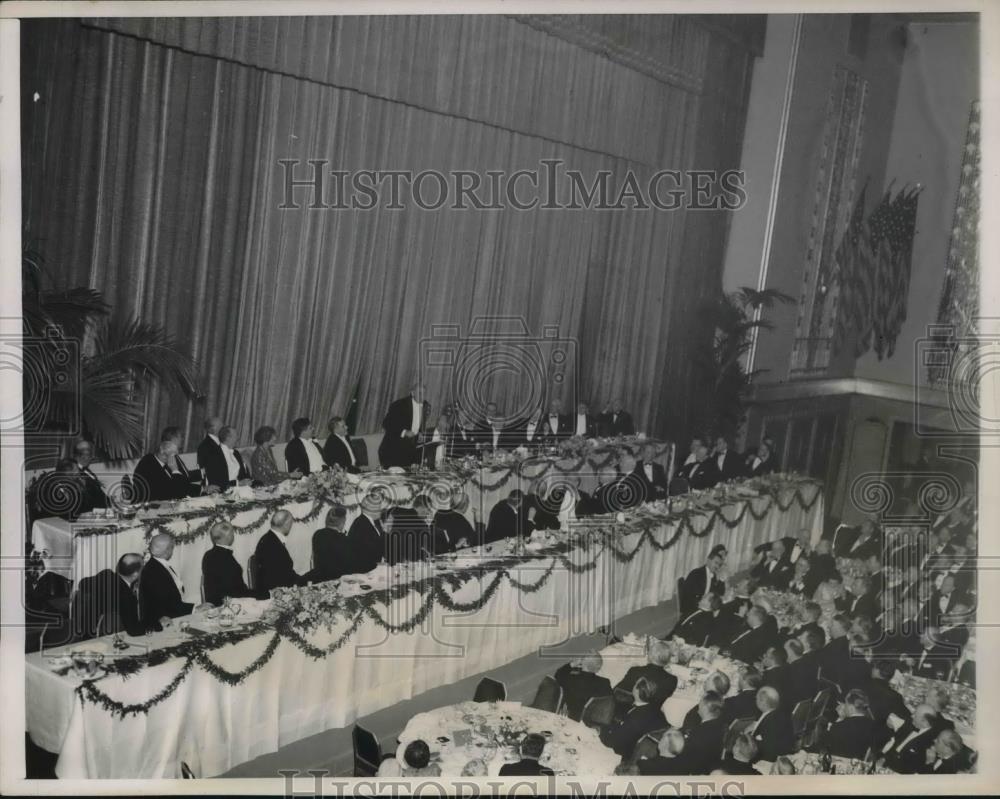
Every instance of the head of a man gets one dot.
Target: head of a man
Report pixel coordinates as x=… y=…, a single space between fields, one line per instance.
x=793 y=649
x=227 y=436
x=617 y=406
x=774 y=656
x=592 y=662
x=338 y=426
x=801 y=568
x=938 y=698
x=718 y=682
x=515 y=498
x=777 y=550
x=671 y=743
x=711 y=603
x=83 y=453
x=855 y=703
x=744 y=748
x=696 y=444
x=768 y=699
x=643 y=691
x=418 y=391
x=715 y=561
x=811 y=612
x=417 y=754
x=492 y=412
x=751 y=679
x=947 y=744
x=924 y=716
x=721 y=445
x=212 y=425
x=128 y=567
x=173 y=433
x=223 y=534
x=626 y=463
x=659 y=654
x=336 y=517
x=765 y=448
x=756 y=616
x=555 y=406
x=281 y=522
x=161 y=546
x=166 y=451
x=710 y=706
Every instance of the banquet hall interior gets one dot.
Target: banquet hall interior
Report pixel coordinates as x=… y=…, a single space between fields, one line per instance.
x=443 y=396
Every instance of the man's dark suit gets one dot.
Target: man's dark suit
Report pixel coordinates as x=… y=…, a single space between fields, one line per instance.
x=508 y=522
x=732 y=465
x=764 y=467
x=844 y=539
x=751 y=645
x=274 y=565
x=867 y=604
x=580 y=685
x=213 y=463
x=622 y=493
x=776 y=677
x=664 y=684
x=833 y=659
x=94 y=494
x=703 y=748
x=692 y=588
x=395 y=450
x=637 y=721
x=410 y=537
x=620 y=424
x=154 y=482
x=331 y=555
x=741 y=706
x=772 y=574
x=517 y=434
x=850 y=737
x=525 y=768
x=590 y=425
x=296 y=457
x=565 y=428
x=658 y=487
x=883 y=699
x=911 y=757
x=106 y=595
x=695 y=628
x=368 y=545
x=700 y=474
x=159 y=596
x=731 y=765
x=803 y=680
x=660 y=766
x=337 y=453
x=774 y=736
x=223 y=575
x=450 y=527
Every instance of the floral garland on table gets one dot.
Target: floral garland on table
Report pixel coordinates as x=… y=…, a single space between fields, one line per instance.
x=296 y=612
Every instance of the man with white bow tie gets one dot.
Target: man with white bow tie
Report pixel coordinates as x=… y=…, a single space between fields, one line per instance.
x=557 y=426
x=161 y=591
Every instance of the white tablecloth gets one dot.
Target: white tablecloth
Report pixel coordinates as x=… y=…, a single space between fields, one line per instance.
x=494 y=730
x=214 y=726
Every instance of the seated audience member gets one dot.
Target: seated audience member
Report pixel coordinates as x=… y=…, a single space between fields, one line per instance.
x=265 y=470
x=763 y=461
x=302 y=453
x=857 y=542
x=411 y=537
x=160 y=588
x=60 y=493
x=462 y=441
x=580 y=682
x=728 y=465
x=774 y=665
x=932 y=659
x=861 y=600
x=906 y=751
x=783 y=766
x=331 y=552
x=452 y=530
x=158 y=476
x=704 y=738
x=274 y=563
x=642 y=717
x=623 y=492
x=475 y=768
x=83 y=456
x=389 y=768
x=942 y=601
x=833 y=656
x=193 y=476
x=106 y=603
x=946 y=754
x=884 y=700
x=417 y=761
x=222 y=575
x=748 y=646
x=616 y=421
x=696 y=628
x=554 y=504
x=655 y=672
x=803 y=674
x=745 y=753
x=853 y=734
x=772 y=571
x=211 y=461
x=670 y=760
x=703 y=580
x=963 y=570
x=822 y=564
x=938 y=558
x=772 y=732
x=238 y=472
x=368 y=540
x=802 y=582
x=651 y=474
x=584 y=424
x=744 y=704
x=811 y=614
x=701 y=472
x=510 y=518
x=338 y=449
x=715 y=683
x=531 y=748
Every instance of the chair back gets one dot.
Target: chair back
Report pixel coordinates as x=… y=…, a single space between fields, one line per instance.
x=186 y=772
x=800 y=719
x=203 y=589
x=549 y=695
x=490 y=690
x=360 y=451
x=252 y=572
x=647 y=746
x=367 y=752
x=599 y=711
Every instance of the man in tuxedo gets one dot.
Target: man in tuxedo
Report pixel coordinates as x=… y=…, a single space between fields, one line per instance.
x=642 y=717
x=410 y=532
x=802 y=582
x=803 y=673
x=696 y=627
x=275 y=568
x=584 y=424
x=906 y=751
x=302 y=453
x=701 y=472
x=403 y=424
x=511 y=518
x=822 y=564
x=655 y=673
x=745 y=753
x=728 y=465
x=452 y=530
x=83 y=454
x=652 y=475
x=772 y=732
x=160 y=588
x=946 y=755
x=704 y=738
x=744 y=704
x=490 y=432
x=863 y=599
x=441 y=434
x=853 y=734
x=367 y=538
x=222 y=575
x=193 y=476
x=531 y=748
x=211 y=461
x=557 y=425
x=774 y=665
x=933 y=659
x=884 y=700
x=748 y=646
x=106 y=602
x=158 y=476
x=462 y=441
x=942 y=601
x=772 y=571
x=580 y=682
x=338 y=450
x=857 y=542
x=529 y=432
x=616 y=421
x=238 y=473
x=811 y=614
x=834 y=656
x=763 y=461
x=938 y=557
x=330 y=547
x=670 y=760
x=624 y=492
x=702 y=580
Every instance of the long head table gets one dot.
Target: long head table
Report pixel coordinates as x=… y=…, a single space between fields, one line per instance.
x=292 y=669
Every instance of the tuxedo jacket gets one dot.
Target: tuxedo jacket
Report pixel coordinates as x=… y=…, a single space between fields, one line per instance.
x=95 y=496
x=274 y=565
x=732 y=465
x=660 y=766
x=223 y=575
x=692 y=588
x=104 y=604
x=937 y=663
x=525 y=768
x=331 y=555
x=410 y=537
x=153 y=482
x=703 y=747
x=731 y=765
x=637 y=721
x=695 y=628
x=803 y=678
x=620 y=424
x=774 y=736
x=579 y=686
x=772 y=574
x=844 y=539
x=700 y=474
x=664 y=683
x=296 y=457
x=850 y=737
x=450 y=527
x=741 y=706
x=623 y=493
x=909 y=757
x=159 y=596
x=764 y=467
x=883 y=699
x=590 y=425
x=368 y=544
x=507 y=522
x=564 y=430
x=213 y=463
x=931 y=612
x=517 y=435
x=394 y=449
x=727 y=626
x=337 y=453
x=658 y=487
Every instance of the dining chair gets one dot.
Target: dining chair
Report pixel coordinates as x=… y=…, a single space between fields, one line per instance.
x=367 y=752
x=490 y=690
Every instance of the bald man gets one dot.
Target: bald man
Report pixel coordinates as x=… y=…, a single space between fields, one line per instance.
x=159 y=476
x=106 y=602
x=273 y=560
x=580 y=682
x=161 y=591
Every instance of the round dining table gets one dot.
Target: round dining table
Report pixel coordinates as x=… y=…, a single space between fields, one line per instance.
x=491 y=732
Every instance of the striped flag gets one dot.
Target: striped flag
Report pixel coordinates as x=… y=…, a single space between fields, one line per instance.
x=849 y=258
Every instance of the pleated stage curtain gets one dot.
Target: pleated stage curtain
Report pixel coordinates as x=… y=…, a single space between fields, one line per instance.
x=152 y=171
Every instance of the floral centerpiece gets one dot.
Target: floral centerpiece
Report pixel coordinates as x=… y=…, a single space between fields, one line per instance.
x=962 y=704
x=788 y=609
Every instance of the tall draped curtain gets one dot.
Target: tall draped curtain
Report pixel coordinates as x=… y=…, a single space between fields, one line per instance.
x=152 y=172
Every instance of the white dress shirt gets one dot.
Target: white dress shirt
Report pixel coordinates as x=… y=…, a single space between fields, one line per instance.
x=756 y=462
x=720 y=459
x=554 y=423
x=314 y=454
x=350 y=452
x=231 y=462
x=438 y=451
x=496 y=435
x=581 y=424
x=898 y=747
x=176 y=577
x=418 y=416
x=796 y=551
x=648 y=469
x=529 y=432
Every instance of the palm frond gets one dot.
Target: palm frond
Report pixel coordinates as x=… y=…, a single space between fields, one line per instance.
x=109 y=413
x=765 y=298
x=144 y=350
x=69 y=311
